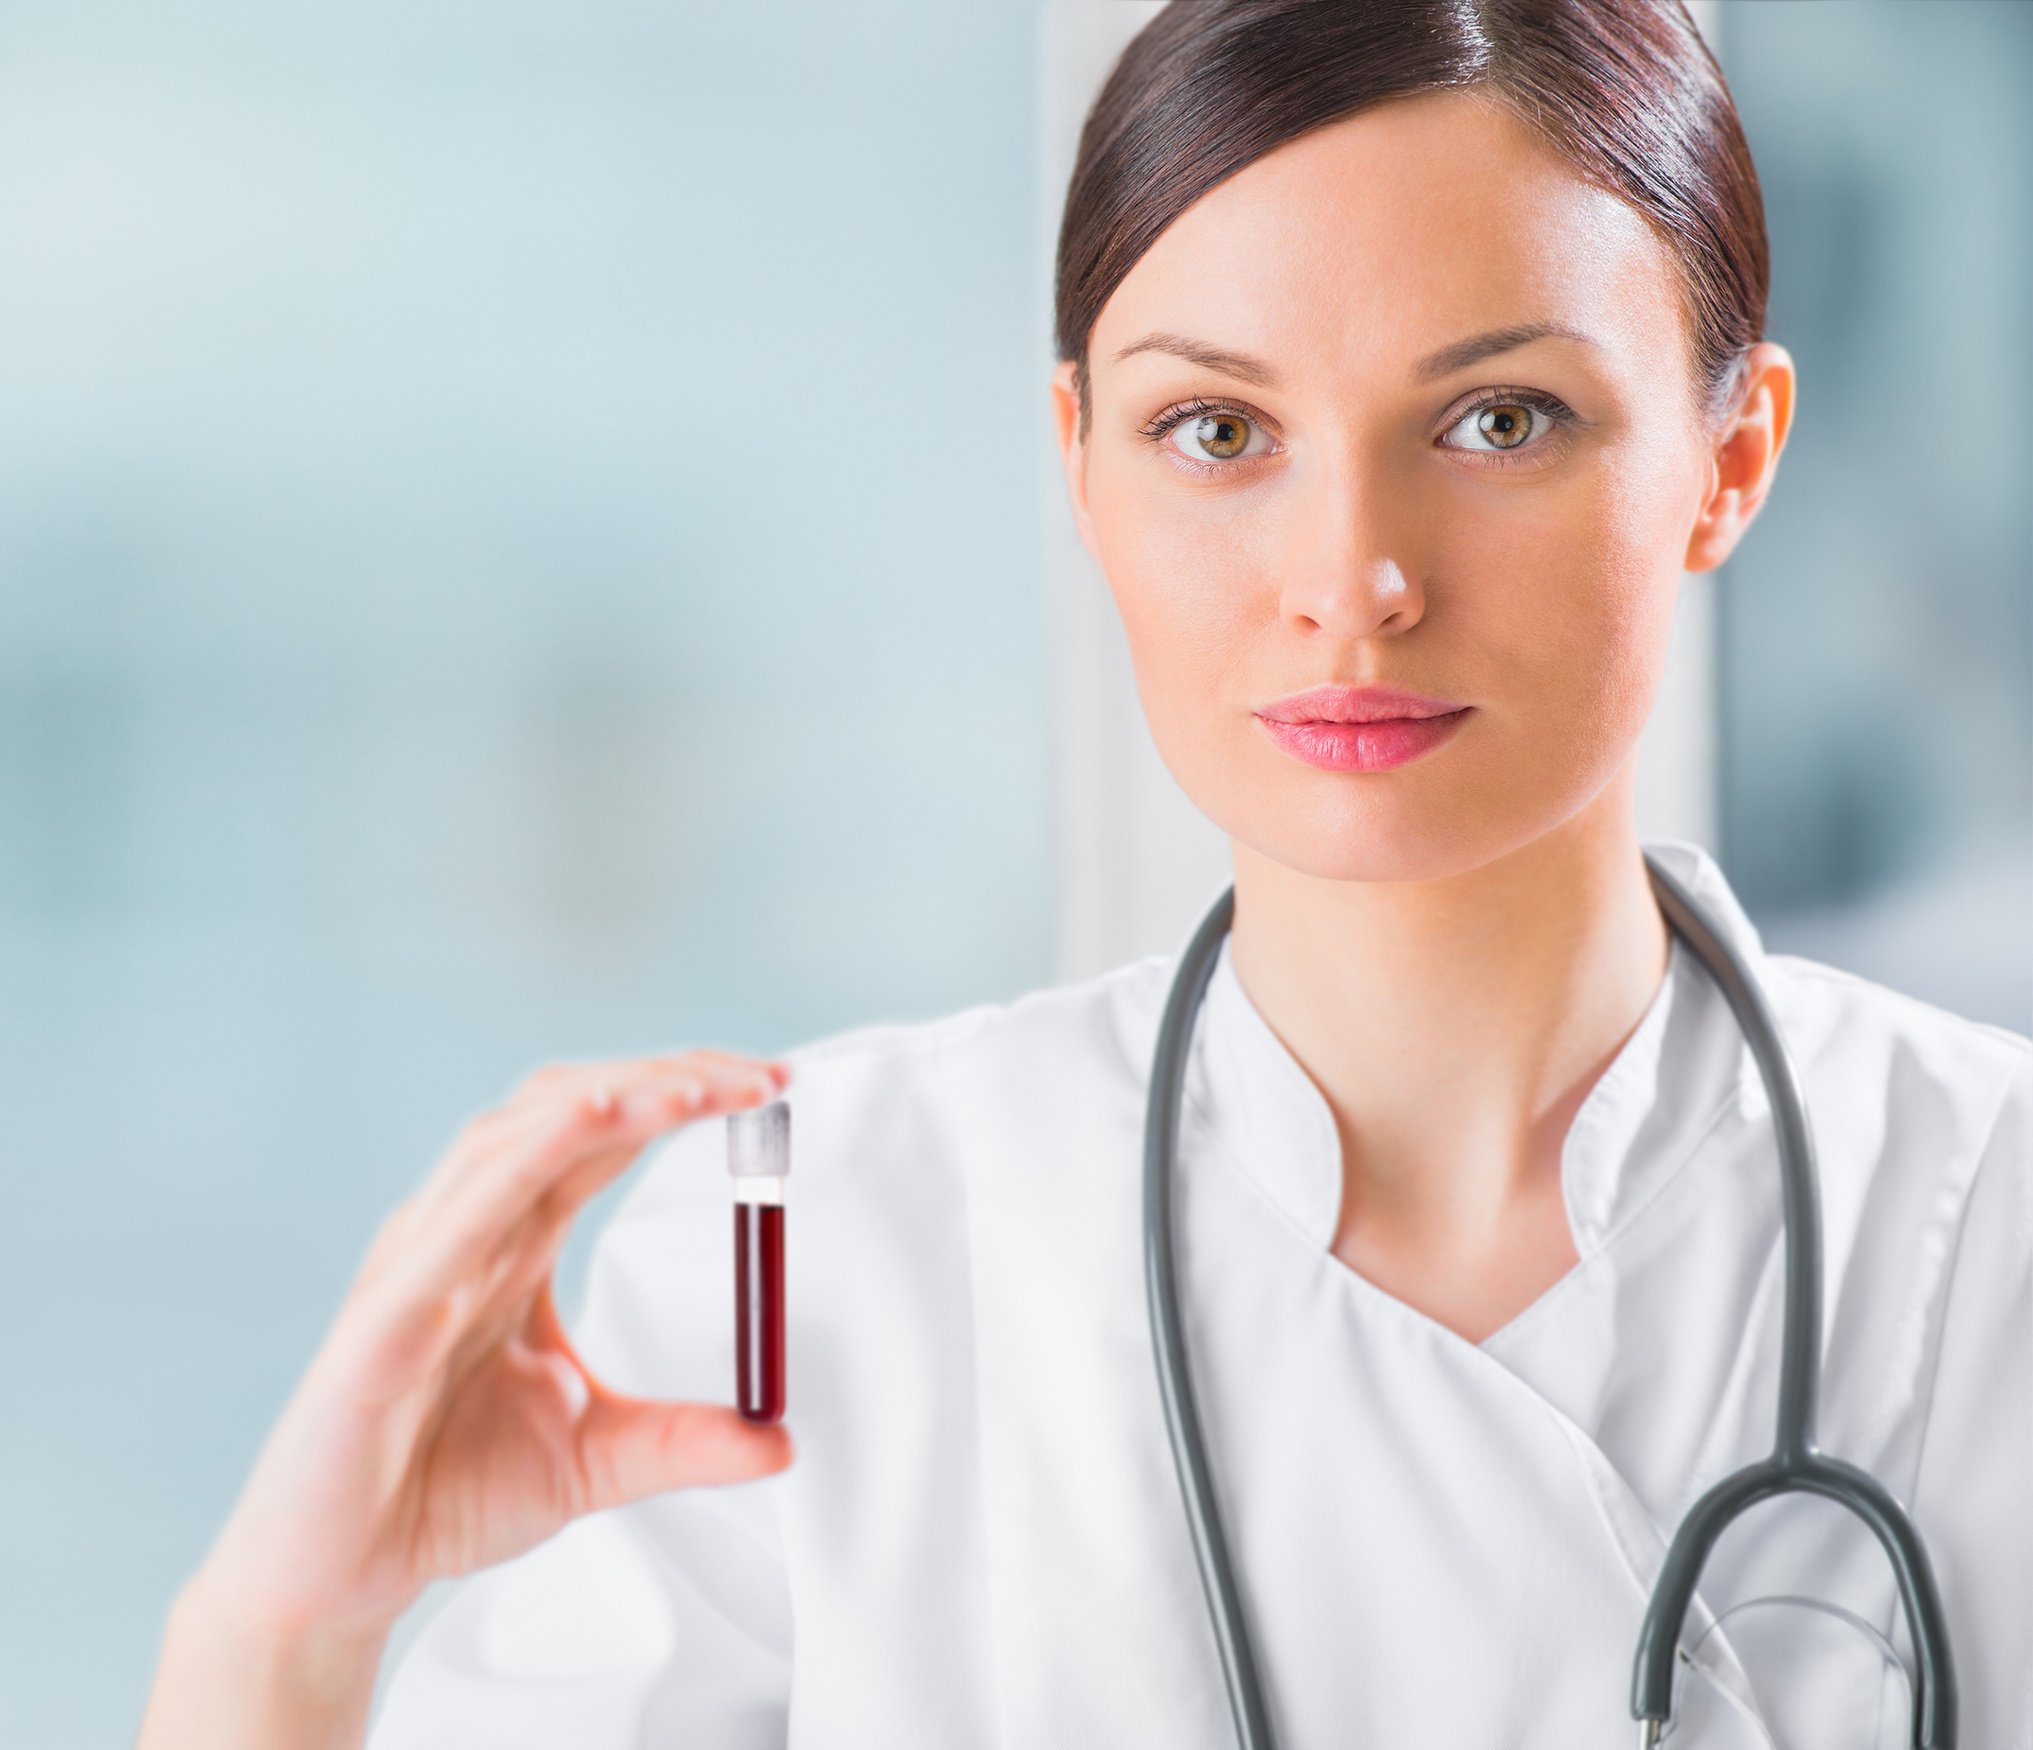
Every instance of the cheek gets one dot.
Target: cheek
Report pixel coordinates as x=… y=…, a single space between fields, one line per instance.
x=1190 y=581
x=1568 y=597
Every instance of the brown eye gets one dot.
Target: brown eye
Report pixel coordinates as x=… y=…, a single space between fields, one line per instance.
x=1222 y=434
x=1200 y=433
x=1505 y=425
x=1497 y=427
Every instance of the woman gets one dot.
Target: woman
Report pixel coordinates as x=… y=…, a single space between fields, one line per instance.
x=1406 y=349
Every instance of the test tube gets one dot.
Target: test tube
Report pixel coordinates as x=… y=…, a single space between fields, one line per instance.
x=759 y=1158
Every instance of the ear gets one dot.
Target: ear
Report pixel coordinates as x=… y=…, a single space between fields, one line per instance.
x=1746 y=456
x=1072 y=447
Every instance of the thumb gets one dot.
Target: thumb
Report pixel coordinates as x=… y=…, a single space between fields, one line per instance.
x=629 y=1447
x=632 y=1447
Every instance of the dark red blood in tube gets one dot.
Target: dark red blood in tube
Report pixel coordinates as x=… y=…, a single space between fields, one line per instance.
x=759 y=1309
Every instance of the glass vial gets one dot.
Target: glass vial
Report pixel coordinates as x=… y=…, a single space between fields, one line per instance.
x=759 y=1159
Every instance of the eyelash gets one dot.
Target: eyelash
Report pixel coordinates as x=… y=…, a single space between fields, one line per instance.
x=1557 y=411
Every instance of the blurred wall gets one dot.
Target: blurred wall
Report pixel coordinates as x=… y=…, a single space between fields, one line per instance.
x=1876 y=640
x=517 y=541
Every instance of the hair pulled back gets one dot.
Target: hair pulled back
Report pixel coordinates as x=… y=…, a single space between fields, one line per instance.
x=1625 y=90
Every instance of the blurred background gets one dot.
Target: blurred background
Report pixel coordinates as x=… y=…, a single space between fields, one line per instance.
x=531 y=531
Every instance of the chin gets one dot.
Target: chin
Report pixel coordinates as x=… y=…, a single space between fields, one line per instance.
x=1372 y=862
x=1336 y=827
x=1312 y=835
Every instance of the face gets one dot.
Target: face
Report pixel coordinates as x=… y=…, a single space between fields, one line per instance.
x=1406 y=404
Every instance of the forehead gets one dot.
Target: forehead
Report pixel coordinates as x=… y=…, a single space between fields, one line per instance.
x=1384 y=236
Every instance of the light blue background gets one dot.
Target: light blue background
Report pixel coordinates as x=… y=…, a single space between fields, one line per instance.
x=517 y=540
x=1875 y=643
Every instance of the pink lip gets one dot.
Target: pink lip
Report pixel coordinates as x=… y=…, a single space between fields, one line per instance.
x=1360 y=729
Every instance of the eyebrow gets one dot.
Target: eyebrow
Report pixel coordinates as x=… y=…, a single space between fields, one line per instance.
x=1478 y=347
x=1230 y=364
x=1457 y=357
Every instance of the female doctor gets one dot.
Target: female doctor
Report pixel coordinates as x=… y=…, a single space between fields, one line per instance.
x=1410 y=354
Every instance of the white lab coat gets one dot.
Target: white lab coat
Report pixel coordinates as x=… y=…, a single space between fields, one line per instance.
x=981 y=1542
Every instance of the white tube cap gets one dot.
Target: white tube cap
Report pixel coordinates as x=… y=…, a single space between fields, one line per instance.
x=759 y=1141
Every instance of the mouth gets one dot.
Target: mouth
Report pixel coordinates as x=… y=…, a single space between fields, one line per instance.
x=1367 y=744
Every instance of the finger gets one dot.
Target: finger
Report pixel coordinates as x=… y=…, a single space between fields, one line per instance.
x=546 y=1089
x=429 y=1277
x=504 y=1303
x=560 y=1157
x=633 y=1447
x=427 y=1291
x=694 y=1091
x=630 y=1446
x=568 y=1077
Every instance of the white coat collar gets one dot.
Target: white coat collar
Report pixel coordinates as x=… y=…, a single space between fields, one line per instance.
x=1638 y=1124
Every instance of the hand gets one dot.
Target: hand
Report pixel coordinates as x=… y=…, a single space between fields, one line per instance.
x=446 y=1423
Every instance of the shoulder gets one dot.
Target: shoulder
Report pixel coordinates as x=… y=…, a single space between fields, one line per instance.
x=901 y=1099
x=1100 y=1023
x=1910 y=1059
x=1915 y=1017
x=1923 y=1129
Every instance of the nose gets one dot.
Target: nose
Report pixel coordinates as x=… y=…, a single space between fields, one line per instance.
x=1346 y=570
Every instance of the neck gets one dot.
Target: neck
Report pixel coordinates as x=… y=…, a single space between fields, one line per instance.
x=1456 y=1025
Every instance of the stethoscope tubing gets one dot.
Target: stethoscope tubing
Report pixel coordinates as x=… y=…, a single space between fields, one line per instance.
x=1796 y=1464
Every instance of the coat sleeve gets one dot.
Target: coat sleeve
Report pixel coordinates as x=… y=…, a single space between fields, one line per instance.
x=1973 y=1492
x=668 y=1620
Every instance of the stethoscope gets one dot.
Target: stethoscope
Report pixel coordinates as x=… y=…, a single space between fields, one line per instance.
x=1795 y=1463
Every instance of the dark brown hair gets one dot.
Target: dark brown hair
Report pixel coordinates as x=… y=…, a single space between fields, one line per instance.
x=1625 y=90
